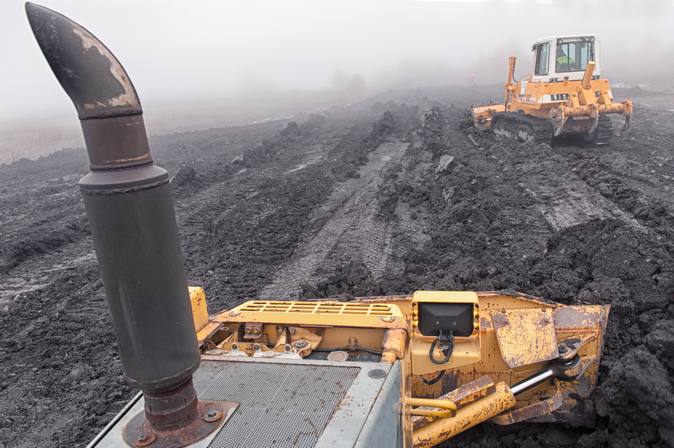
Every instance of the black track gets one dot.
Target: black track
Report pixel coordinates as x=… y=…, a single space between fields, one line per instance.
x=537 y=130
x=522 y=127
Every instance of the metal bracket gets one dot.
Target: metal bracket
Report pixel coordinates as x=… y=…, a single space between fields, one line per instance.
x=139 y=433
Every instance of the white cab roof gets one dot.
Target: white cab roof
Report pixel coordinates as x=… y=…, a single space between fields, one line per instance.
x=567 y=36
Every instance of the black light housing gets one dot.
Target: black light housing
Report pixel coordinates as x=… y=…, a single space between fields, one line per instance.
x=448 y=318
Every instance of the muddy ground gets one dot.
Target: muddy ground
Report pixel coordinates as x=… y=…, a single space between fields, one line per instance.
x=386 y=196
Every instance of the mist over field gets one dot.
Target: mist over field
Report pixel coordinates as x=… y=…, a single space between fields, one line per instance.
x=357 y=174
x=215 y=63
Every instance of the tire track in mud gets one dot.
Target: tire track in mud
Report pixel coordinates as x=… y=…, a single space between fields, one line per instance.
x=44 y=230
x=232 y=224
x=562 y=197
x=37 y=273
x=240 y=229
x=568 y=201
x=352 y=209
x=638 y=178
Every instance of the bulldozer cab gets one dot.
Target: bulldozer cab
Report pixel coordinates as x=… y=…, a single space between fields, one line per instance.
x=558 y=59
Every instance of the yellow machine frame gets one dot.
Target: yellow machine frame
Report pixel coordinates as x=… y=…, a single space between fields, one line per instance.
x=584 y=100
x=514 y=336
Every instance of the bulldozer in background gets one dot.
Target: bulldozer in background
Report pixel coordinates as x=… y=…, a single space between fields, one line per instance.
x=397 y=371
x=565 y=96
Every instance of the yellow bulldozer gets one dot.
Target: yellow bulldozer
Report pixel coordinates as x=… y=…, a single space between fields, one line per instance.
x=398 y=371
x=565 y=96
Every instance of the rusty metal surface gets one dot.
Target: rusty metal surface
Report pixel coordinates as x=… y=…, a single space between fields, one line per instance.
x=99 y=87
x=210 y=415
x=573 y=410
x=582 y=324
x=393 y=345
x=116 y=142
x=461 y=396
x=525 y=336
x=565 y=406
x=587 y=316
x=252 y=330
x=468 y=416
x=430 y=407
x=515 y=298
x=538 y=409
x=171 y=409
x=90 y=74
x=569 y=348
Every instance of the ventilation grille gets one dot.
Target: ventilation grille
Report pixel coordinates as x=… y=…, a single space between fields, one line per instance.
x=280 y=405
x=346 y=314
x=374 y=309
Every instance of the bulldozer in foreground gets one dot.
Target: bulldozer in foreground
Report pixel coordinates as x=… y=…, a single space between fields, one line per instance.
x=564 y=97
x=395 y=371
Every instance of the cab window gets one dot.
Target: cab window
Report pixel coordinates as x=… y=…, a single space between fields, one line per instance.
x=542 y=57
x=573 y=55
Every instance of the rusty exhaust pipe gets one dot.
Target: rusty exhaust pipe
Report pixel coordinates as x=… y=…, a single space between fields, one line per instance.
x=130 y=210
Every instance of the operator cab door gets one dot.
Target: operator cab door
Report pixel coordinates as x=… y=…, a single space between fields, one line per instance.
x=544 y=68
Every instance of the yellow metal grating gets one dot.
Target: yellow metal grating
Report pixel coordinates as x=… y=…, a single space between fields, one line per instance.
x=343 y=314
x=377 y=309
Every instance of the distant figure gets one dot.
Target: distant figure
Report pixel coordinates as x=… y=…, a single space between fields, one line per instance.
x=563 y=58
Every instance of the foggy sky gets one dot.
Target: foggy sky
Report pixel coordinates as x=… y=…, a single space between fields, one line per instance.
x=178 y=50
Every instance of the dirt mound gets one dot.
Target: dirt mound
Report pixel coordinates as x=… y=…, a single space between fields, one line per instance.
x=350 y=279
x=186 y=181
x=13 y=253
x=636 y=398
x=60 y=370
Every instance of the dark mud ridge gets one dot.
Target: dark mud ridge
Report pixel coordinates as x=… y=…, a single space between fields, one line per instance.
x=387 y=196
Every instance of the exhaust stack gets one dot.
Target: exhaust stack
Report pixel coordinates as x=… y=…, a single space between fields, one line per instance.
x=130 y=210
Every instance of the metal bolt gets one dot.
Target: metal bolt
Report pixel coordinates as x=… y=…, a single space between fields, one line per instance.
x=144 y=439
x=563 y=348
x=301 y=343
x=212 y=415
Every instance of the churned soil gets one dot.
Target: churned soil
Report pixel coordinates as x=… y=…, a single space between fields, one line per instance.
x=387 y=196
